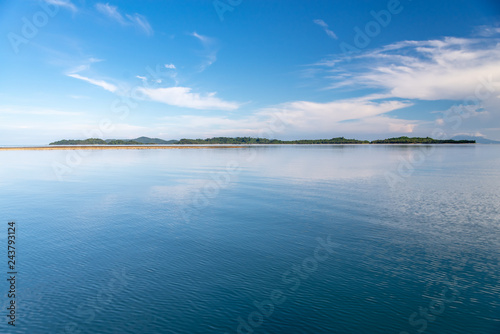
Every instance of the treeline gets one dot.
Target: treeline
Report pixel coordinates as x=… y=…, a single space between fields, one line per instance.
x=95 y=141
x=90 y=141
x=251 y=140
x=123 y=142
x=419 y=140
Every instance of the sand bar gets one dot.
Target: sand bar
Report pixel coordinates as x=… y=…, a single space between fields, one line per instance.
x=111 y=147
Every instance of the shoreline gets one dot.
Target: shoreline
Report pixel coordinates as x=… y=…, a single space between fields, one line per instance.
x=199 y=146
x=117 y=147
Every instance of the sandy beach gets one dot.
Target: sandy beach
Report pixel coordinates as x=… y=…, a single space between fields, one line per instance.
x=111 y=147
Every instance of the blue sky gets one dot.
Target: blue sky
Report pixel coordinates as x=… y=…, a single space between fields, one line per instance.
x=275 y=69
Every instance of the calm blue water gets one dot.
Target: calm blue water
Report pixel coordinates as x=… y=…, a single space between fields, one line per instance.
x=279 y=239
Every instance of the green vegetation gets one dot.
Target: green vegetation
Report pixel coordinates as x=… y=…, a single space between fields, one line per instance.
x=419 y=140
x=147 y=140
x=250 y=140
x=477 y=139
x=90 y=141
x=122 y=142
x=95 y=141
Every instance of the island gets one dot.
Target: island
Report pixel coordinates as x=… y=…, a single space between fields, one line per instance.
x=145 y=143
x=419 y=140
x=253 y=141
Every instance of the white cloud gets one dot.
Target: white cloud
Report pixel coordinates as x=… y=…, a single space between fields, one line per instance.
x=85 y=66
x=101 y=83
x=210 y=53
x=487 y=31
x=145 y=79
x=451 y=68
x=323 y=24
x=341 y=115
x=203 y=39
x=140 y=22
x=470 y=118
x=464 y=111
x=170 y=66
x=440 y=121
x=63 y=3
x=210 y=58
x=464 y=70
x=136 y=20
x=183 y=97
x=111 y=11
x=297 y=120
x=472 y=134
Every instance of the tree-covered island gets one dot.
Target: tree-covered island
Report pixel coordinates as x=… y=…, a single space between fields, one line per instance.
x=251 y=140
x=419 y=140
x=95 y=141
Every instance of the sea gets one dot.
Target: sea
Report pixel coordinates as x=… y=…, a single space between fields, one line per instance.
x=288 y=239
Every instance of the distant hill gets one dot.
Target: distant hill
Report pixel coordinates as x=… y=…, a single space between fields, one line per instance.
x=147 y=140
x=419 y=140
x=479 y=140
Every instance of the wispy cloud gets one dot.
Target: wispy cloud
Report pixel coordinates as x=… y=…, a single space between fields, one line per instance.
x=85 y=65
x=323 y=24
x=487 y=31
x=449 y=68
x=183 y=97
x=145 y=79
x=101 y=83
x=73 y=73
x=464 y=70
x=140 y=22
x=136 y=20
x=170 y=66
x=210 y=52
x=110 y=11
x=63 y=3
x=203 y=39
x=79 y=97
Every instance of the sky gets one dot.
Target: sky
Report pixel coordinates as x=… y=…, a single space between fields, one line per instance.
x=172 y=69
